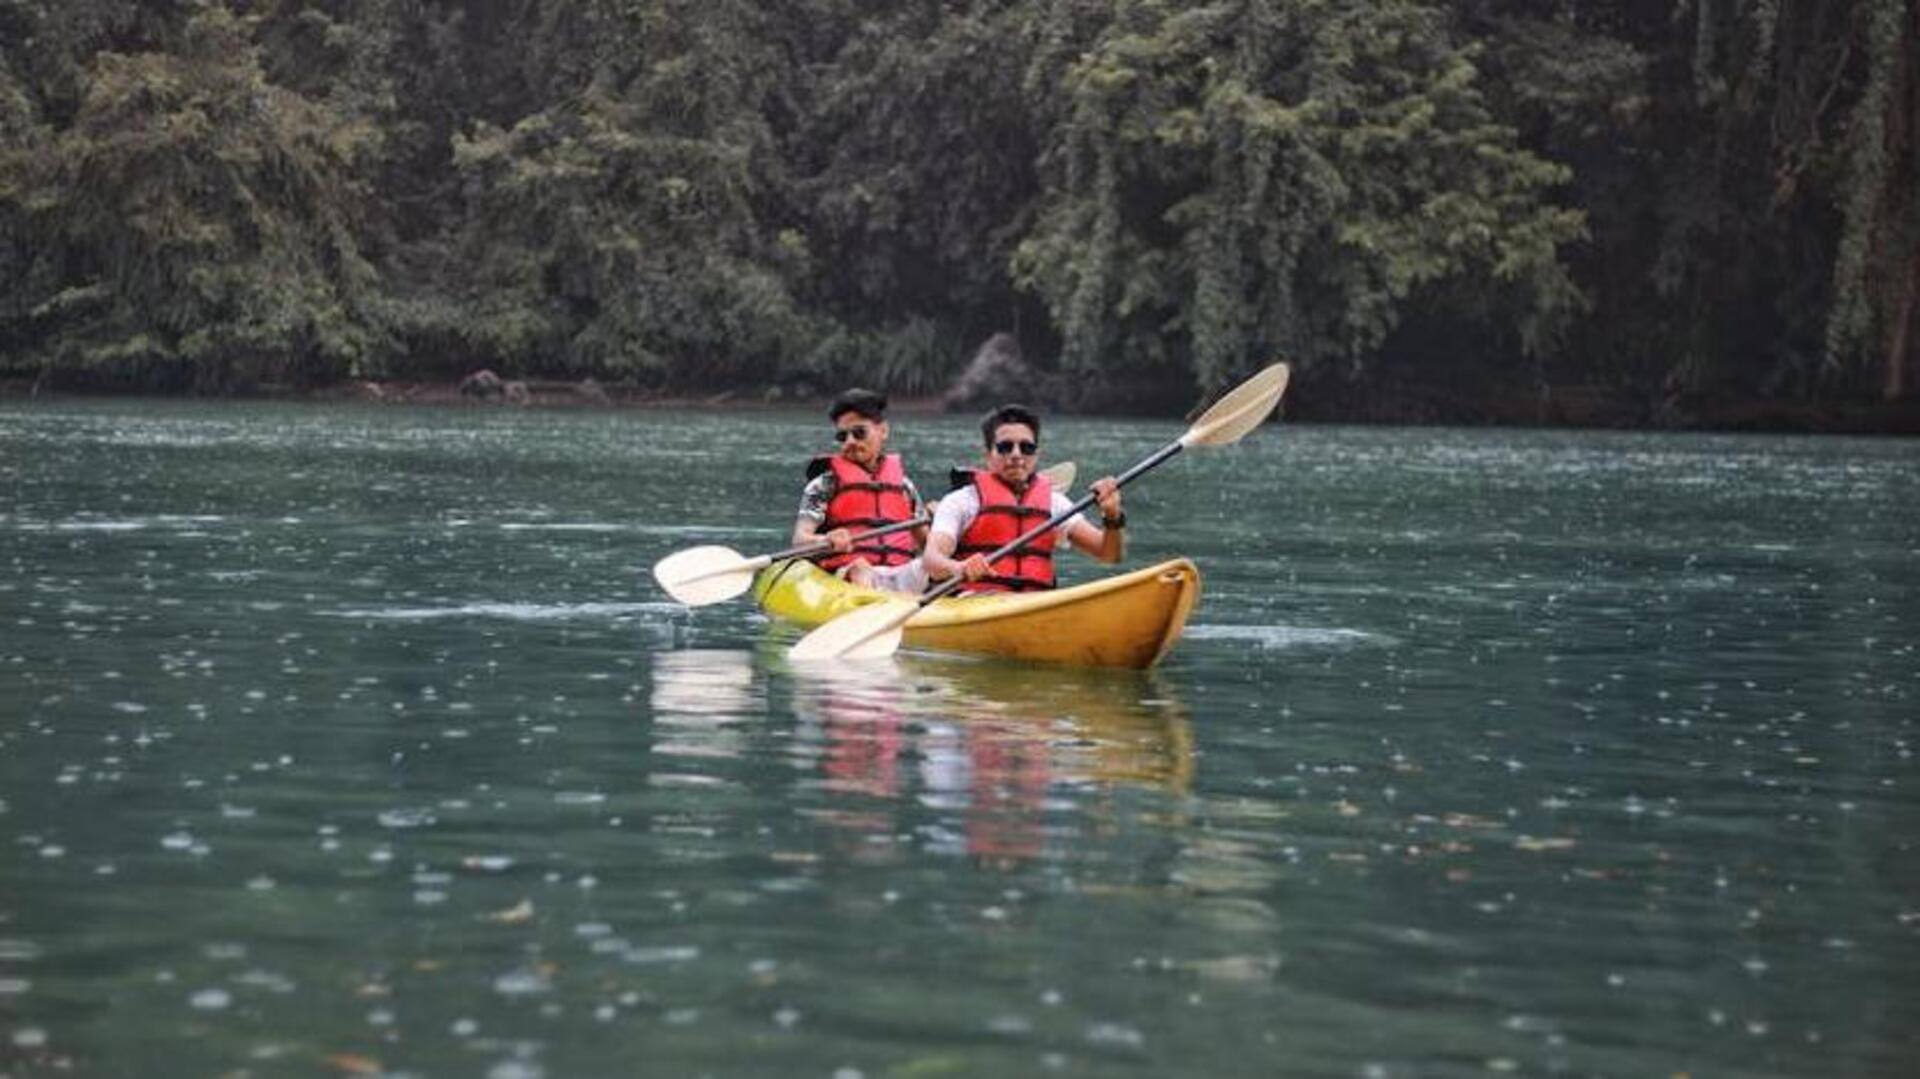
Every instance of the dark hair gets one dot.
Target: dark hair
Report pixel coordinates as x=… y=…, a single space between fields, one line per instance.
x=866 y=402
x=1008 y=414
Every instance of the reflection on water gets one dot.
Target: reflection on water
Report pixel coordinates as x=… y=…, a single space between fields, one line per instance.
x=852 y=726
x=703 y=704
x=1004 y=755
x=1008 y=755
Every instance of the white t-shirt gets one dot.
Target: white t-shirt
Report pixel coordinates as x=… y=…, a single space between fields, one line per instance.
x=958 y=508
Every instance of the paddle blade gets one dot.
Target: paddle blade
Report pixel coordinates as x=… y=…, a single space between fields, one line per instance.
x=1240 y=411
x=871 y=632
x=698 y=576
x=1060 y=477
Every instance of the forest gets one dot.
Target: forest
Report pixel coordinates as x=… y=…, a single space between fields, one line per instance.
x=1616 y=212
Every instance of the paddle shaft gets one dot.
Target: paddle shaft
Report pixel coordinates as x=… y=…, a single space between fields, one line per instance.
x=808 y=550
x=1158 y=457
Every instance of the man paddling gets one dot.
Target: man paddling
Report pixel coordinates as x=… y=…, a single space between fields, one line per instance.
x=861 y=487
x=1006 y=499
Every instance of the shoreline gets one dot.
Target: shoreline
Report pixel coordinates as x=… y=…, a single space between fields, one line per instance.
x=1570 y=408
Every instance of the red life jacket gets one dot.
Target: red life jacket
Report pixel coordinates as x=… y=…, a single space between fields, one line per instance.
x=863 y=500
x=1004 y=517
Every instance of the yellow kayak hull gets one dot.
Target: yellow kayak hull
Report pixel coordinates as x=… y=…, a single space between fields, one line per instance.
x=1127 y=620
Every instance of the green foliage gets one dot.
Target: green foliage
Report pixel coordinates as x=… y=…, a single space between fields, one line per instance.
x=1746 y=240
x=194 y=227
x=1682 y=201
x=618 y=233
x=1868 y=279
x=1235 y=180
x=919 y=157
x=913 y=356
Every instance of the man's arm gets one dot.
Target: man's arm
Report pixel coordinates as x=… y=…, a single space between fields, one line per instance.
x=813 y=513
x=938 y=557
x=920 y=508
x=950 y=522
x=1106 y=542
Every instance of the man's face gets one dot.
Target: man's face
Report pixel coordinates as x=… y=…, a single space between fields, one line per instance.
x=1013 y=453
x=862 y=440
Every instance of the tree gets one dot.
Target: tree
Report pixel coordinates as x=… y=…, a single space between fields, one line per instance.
x=193 y=226
x=1750 y=183
x=1877 y=268
x=1233 y=180
x=620 y=228
x=914 y=162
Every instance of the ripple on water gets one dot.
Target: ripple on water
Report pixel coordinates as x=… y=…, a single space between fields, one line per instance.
x=517 y=612
x=665 y=953
x=566 y=526
x=408 y=817
x=522 y=982
x=1279 y=637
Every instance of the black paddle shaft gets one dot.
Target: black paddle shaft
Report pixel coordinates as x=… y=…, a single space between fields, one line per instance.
x=807 y=550
x=1159 y=457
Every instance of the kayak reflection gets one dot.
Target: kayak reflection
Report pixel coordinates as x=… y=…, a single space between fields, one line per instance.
x=1006 y=757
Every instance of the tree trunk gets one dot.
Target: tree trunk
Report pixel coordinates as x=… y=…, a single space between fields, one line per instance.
x=1897 y=351
x=1903 y=146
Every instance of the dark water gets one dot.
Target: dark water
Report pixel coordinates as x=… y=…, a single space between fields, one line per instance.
x=343 y=741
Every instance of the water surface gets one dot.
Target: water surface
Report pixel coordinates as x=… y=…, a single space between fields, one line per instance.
x=358 y=740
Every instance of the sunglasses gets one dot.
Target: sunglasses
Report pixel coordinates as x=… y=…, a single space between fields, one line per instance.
x=1006 y=446
x=858 y=432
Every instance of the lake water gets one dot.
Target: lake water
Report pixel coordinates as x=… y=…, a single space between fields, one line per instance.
x=359 y=741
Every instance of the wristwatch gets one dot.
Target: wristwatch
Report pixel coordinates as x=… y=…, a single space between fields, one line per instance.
x=1114 y=522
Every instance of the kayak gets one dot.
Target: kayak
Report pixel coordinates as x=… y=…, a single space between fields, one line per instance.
x=1127 y=620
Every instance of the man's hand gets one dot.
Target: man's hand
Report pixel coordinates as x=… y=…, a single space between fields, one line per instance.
x=1106 y=494
x=841 y=539
x=975 y=566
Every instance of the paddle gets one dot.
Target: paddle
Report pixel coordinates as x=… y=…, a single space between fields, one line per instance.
x=873 y=631
x=698 y=576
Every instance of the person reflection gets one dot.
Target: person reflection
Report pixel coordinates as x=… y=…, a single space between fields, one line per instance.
x=995 y=770
x=863 y=743
x=852 y=728
x=996 y=750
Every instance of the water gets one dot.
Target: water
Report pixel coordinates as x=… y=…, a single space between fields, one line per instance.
x=356 y=741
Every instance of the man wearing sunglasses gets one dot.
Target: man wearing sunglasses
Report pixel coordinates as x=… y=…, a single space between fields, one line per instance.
x=859 y=488
x=1007 y=498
